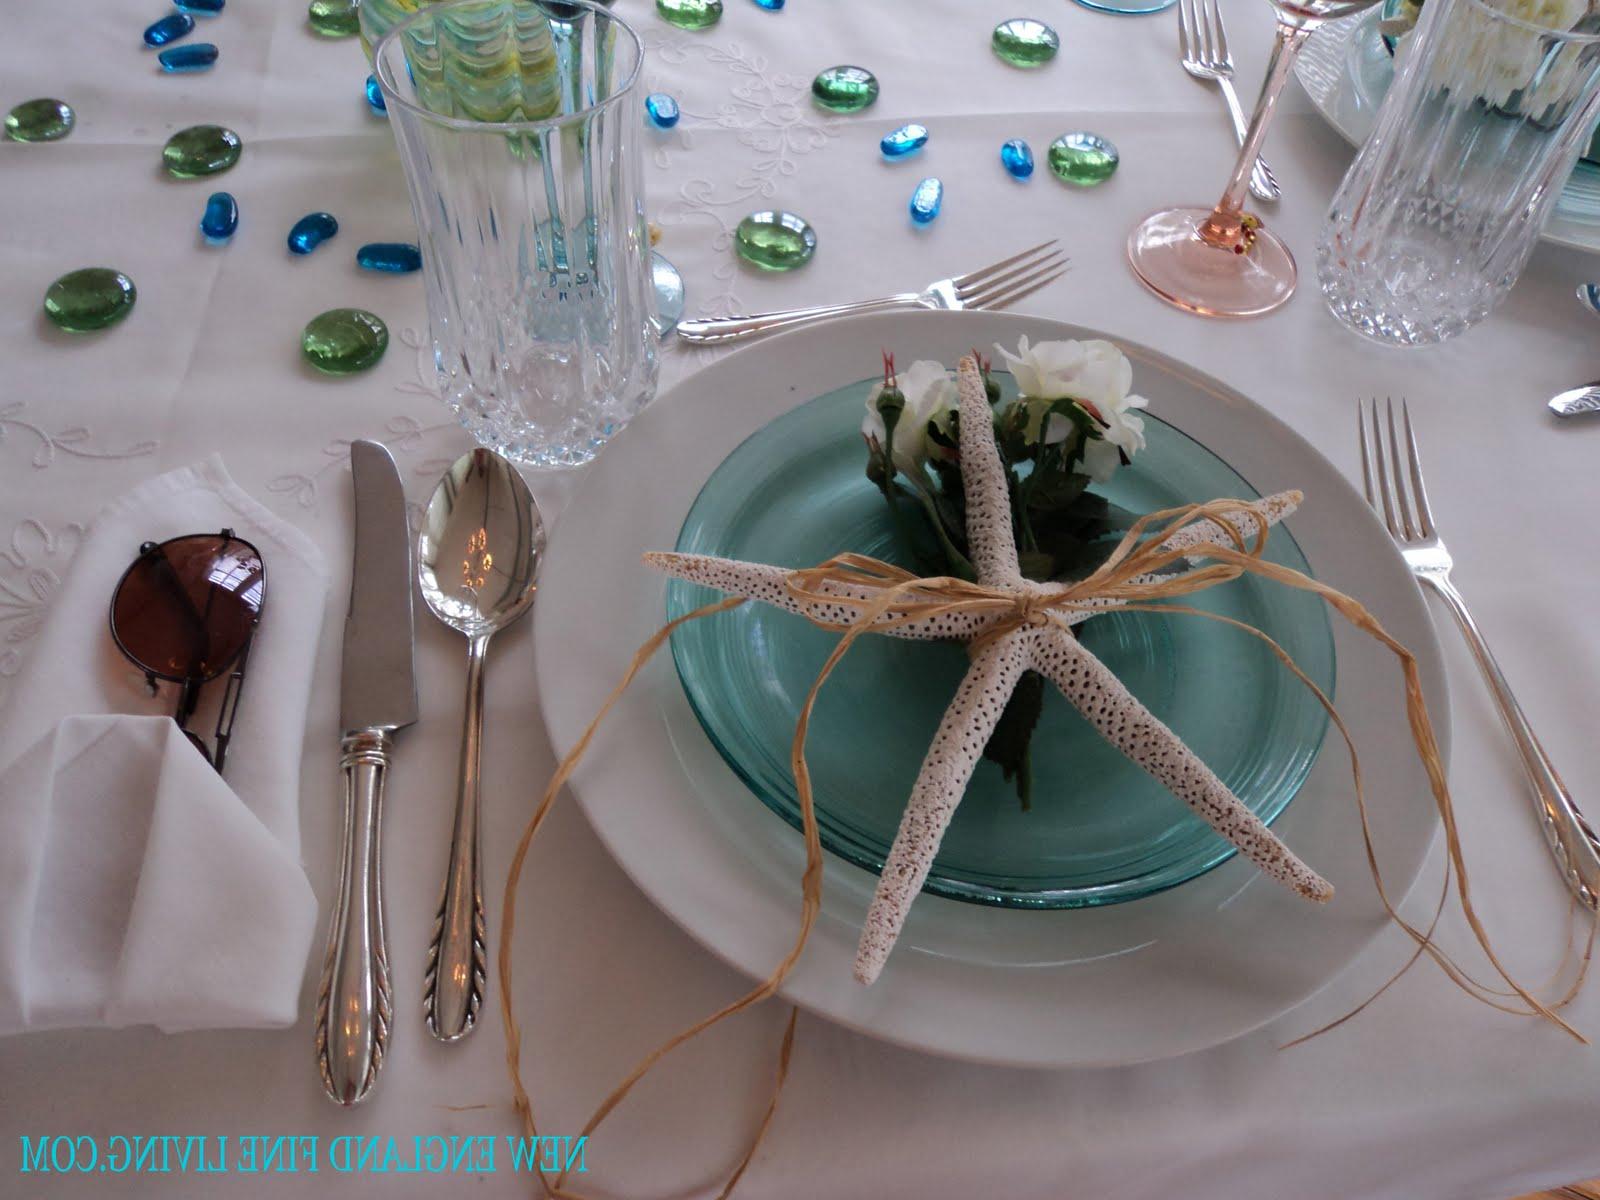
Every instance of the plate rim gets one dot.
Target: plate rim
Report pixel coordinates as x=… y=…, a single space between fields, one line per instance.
x=915 y=1006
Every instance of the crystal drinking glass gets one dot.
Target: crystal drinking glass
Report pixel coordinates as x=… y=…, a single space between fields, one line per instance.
x=1222 y=262
x=1479 y=131
x=520 y=143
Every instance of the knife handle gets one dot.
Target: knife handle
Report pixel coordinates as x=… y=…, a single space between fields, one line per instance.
x=353 y=1004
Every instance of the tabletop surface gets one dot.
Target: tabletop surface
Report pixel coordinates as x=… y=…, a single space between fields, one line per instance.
x=1425 y=1094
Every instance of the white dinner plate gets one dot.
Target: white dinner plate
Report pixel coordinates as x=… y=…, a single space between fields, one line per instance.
x=1164 y=975
x=1346 y=71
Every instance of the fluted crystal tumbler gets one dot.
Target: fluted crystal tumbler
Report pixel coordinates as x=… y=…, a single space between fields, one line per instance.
x=518 y=123
x=1442 y=207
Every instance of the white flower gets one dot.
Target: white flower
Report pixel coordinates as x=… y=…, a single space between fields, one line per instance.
x=1095 y=374
x=930 y=393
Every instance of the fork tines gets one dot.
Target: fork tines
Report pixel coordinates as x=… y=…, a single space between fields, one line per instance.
x=1011 y=279
x=1384 y=472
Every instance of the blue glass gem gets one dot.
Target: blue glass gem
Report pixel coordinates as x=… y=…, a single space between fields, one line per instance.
x=395 y=257
x=662 y=110
x=206 y=8
x=310 y=231
x=221 y=217
x=169 y=29
x=904 y=142
x=769 y=5
x=926 y=200
x=1016 y=156
x=196 y=56
x=375 y=96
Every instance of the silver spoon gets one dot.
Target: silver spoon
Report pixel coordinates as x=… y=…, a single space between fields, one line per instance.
x=477 y=560
x=1585 y=399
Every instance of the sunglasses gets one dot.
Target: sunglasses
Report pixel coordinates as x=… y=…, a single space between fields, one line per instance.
x=185 y=612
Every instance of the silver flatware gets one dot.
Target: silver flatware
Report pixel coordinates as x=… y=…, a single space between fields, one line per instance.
x=1203 y=43
x=991 y=287
x=477 y=563
x=1392 y=476
x=1579 y=400
x=378 y=696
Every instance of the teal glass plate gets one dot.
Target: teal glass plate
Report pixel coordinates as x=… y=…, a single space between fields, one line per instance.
x=1100 y=830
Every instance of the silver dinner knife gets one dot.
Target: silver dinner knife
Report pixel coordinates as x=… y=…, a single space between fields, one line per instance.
x=378 y=696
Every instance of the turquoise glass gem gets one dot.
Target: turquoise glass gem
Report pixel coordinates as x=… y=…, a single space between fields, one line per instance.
x=662 y=110
x=42 y=120
x=1016 y=156
x=333 y=18
x=769 y=5
x=395 y=257
x=205 y=8
x=668 y=285
x=221 y=217
x=1024 y=42
x=927 y=200
x=375 y=97
x=904 y=142
x=343 y=341
x=196 y=56
x=169 y=29
x=775 y=241
x=690 y=14
x=201 y=150
x=1083 y=159
x=310 y=231
x=91 y=298
x=845 y=89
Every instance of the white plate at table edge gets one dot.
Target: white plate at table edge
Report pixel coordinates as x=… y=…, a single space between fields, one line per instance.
x=1326 y=72
x=1188 y=968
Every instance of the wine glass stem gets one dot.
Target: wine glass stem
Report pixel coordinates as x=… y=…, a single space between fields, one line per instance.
x=1225 y=226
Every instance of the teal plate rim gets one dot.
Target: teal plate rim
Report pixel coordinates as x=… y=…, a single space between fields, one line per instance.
x=845 y=847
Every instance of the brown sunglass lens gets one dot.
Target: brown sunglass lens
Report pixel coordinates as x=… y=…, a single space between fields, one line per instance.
x=184 y=610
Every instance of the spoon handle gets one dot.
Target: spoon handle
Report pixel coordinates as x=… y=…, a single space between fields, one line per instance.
x=458 y=964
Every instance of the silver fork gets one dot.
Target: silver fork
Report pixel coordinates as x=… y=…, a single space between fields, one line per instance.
x=994 y=286
x=1203 y=43
x=1409 y=519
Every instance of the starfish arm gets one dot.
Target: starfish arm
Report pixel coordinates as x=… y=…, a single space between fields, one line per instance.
x=956 y=748
x=1100 y=696
x=759 y=581
x=990 y=542
x=1271 y=509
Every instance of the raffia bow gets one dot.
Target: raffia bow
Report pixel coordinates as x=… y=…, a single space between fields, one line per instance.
x=1131 y=577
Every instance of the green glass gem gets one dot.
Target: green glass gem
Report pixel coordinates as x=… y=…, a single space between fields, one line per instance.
x=775 y=241
x=91 y=298
x=845 y=89
x=334 y=18
x=201 y=150
x=1024 y=42
x=42 y=120
x=1083 y=159
x=690 y=14
x=343 y=341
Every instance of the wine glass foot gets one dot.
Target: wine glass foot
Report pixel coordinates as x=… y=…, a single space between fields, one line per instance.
x=1169 y=256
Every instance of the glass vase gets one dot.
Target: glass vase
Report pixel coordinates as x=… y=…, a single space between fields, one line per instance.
x=522 y=157
x=1438 y=214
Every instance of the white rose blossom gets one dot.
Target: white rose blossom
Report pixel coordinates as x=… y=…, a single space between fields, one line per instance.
x=930 y=393
x=1098 y=376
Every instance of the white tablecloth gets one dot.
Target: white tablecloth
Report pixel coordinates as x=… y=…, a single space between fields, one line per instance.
x=1424 y=1095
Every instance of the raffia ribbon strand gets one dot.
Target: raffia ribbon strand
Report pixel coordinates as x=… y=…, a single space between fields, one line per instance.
x=1132 y=575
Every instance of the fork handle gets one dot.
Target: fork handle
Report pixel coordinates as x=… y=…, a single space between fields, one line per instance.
x=1573 y=843
x=711 y=330
x=1263 y=183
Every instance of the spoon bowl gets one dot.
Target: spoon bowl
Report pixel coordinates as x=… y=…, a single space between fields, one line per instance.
x=477 y=565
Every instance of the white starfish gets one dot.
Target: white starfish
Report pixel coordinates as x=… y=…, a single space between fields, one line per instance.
x=997 y=664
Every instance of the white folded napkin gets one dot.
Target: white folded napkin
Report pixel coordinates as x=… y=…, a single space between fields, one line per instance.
x=137 y=886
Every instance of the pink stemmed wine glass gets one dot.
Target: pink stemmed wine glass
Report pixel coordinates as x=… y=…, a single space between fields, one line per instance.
x=1223 y=262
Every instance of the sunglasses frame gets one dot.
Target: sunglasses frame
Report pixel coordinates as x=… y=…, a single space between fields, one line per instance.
x=233 y=667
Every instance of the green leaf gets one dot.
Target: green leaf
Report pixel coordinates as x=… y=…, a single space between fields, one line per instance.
x=1008 y=744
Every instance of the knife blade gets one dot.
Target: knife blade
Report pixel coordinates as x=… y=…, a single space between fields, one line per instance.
x=378 y=695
